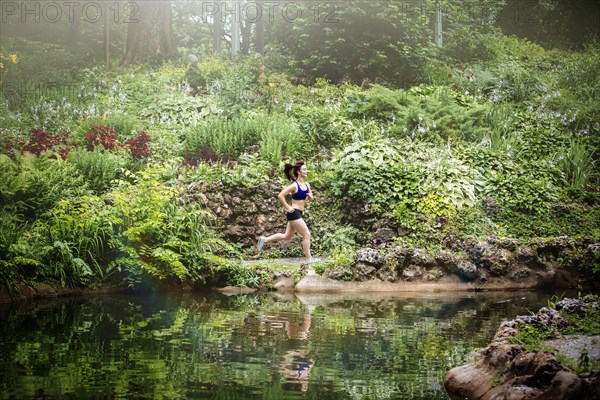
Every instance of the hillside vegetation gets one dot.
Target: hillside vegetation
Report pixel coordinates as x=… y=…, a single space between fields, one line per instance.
x=96 y=171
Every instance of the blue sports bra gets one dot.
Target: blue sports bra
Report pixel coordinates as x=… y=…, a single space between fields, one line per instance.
x=300 y=194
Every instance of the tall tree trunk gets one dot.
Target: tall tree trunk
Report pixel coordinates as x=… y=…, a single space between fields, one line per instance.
x=260 y=29
x=246 y=28
x=235 y=22
x=72 y=40
x=151 y=34
x=107 y=39
x=165 y=33
x=217 y=32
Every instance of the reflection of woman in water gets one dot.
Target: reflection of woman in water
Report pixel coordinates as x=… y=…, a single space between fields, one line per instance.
x=296 y=365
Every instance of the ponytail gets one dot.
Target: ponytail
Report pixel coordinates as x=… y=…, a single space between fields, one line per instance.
x=288 y=171
x=291 y=170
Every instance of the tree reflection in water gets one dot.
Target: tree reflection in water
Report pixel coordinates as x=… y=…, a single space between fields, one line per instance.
x=247 y=346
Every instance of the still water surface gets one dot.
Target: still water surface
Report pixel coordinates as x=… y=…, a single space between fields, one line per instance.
x=258 y=346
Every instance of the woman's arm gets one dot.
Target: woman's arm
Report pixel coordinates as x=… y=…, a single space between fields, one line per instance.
x=282 y=195
x=310 y=193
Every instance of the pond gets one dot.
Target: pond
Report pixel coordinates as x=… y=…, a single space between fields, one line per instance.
x=256 y=346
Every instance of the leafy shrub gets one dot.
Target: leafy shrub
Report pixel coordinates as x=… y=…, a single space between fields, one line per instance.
x=519 y=83
x=177 y=111
x=578 y=75
x=482 y=157
x=440 y=117
x=138 y=146
x=15 y=128
x=76 y=240
x=518 y=190
x=61 y=113
x=343 y=256
x=375 y=172
x=279 y=138
x=41 y=141
x=577 y=164
x=519 y=178
x=473 y=83
x=276 y=92
x=207 y=71
x=227 y=139
x=66 y=246
x=104 y=136
x=11 y=230
x=428 y=113
x=251 y=171
x=99 y=168
x=161 y=236
x=147 y=231
x=317 y=125
x=31 y=185
x=123 y=124
x=515 y=72
x=137 y=93
x=502 y=137
x=276 y=136
x=229 y=85
x=385 y=173
x=339 y=237
x=378 y=103
x=562 y=219
x=420 y=187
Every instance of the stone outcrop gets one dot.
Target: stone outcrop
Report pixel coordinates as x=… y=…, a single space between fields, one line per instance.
x=44 y=291
x=245 y=215
x=484 y=263
x=507 y=371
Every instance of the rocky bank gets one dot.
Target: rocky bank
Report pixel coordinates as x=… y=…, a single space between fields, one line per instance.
x=473 y=264
x=501 y=263
x=504 y=370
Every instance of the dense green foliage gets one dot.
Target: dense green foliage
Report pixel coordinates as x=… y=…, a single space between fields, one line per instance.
x=489 y=135
x=218 y=139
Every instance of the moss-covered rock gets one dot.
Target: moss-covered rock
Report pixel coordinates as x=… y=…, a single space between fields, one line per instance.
x=511 y=367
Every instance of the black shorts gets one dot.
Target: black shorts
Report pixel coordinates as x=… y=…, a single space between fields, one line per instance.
x=294 y=215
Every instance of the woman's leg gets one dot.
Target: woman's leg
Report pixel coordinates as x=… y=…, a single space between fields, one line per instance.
x=289 y=232
x=300 y=226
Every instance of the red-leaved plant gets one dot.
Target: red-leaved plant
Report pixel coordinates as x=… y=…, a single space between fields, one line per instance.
x=41 y=141
x=138 y=146
x=105 y=136
x=101 y=135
